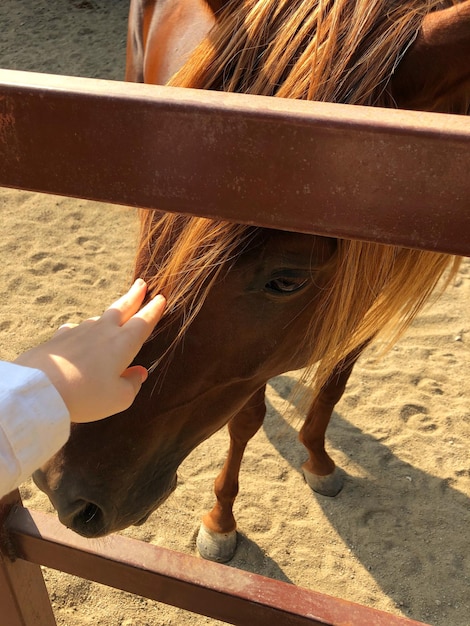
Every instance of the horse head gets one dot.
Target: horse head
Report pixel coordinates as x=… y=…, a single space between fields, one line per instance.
x=247 y=331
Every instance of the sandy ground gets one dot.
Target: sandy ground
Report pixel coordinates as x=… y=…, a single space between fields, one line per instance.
x=396 y=538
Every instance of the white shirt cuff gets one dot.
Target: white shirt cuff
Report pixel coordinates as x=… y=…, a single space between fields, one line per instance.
x=34 y=422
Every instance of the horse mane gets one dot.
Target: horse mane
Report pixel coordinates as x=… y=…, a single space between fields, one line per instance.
x=343 y=51
x=330 y=50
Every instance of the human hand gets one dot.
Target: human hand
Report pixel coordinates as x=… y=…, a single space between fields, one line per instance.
x=88 y=363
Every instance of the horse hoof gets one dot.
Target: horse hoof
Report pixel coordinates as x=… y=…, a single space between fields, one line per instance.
x=329 y=485
x=218 y=547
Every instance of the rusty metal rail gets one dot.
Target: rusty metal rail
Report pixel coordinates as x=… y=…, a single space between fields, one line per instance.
x=210 y=589
x=386 y=176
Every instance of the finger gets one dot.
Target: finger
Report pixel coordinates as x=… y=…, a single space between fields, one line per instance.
x=152 y=312
x=137 y=369
x=135 y=376
x=141 y=325
x=134 y=332
x=128 y=304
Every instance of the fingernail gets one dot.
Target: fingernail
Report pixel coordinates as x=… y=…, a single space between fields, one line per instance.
x=139 y=282
x=159 y=301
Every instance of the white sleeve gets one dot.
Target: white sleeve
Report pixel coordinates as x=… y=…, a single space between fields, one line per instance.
x=34 y=423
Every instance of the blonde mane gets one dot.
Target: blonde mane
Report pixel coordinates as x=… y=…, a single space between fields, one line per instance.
x=330 y=50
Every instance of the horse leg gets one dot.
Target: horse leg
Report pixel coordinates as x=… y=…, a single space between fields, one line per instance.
x=320 y=470
x=217 y=538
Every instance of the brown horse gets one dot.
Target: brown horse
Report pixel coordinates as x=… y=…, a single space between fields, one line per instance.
x=247 y=304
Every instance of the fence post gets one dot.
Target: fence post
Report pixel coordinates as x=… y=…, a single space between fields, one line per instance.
x=23 y=595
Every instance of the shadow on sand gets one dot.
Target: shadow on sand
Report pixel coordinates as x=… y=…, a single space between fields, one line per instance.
x=395 y=519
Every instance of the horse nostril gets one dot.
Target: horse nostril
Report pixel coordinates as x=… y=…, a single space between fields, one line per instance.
x=89 y=520
x=89 y=513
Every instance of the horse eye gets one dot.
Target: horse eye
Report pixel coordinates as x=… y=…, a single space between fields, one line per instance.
x=286 y=284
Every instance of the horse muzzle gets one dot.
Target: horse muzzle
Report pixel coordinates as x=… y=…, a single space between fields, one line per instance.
x=91 y=517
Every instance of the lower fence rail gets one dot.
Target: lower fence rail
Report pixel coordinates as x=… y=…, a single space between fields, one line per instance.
x=30 y=539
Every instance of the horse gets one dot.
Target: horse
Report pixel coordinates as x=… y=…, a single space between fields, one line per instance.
x=246 y=304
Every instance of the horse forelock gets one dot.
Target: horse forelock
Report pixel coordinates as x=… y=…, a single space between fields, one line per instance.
x=182 y=256
x=332 y=50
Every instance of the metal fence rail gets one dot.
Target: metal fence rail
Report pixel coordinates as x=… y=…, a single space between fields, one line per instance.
x=384 y=176
x=342 y=171
x=217 y=591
